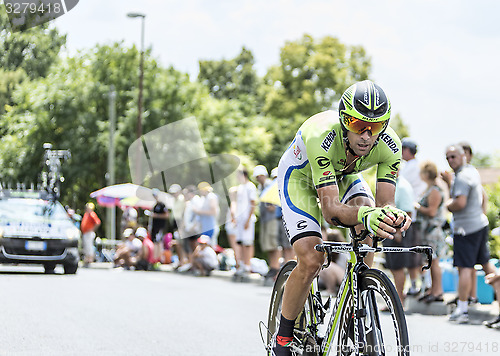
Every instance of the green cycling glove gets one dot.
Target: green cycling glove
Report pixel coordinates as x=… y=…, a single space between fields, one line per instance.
x=372 y=217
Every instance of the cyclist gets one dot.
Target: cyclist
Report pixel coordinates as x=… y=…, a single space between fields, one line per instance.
x=324 y=161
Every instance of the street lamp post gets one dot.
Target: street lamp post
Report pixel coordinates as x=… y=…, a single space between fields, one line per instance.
x=141 y=79
x=141 y=71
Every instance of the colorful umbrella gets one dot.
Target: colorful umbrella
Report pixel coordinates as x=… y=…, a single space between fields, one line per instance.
x=128 y=194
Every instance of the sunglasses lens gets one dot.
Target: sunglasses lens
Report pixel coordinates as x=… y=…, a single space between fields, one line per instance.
x=359 y=126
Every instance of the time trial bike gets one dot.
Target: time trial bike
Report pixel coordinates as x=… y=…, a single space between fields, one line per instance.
x=357 y=325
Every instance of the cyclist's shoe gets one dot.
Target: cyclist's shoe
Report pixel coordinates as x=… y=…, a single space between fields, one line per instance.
x=282 y=346
x=494 y=324
x=459 y=316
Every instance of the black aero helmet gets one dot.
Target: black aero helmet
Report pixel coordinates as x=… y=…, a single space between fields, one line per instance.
x=364 y=107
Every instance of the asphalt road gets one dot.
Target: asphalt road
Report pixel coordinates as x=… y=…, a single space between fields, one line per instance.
x=117 y=312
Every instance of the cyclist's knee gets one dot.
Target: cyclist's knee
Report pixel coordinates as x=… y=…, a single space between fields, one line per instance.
x=309 y=260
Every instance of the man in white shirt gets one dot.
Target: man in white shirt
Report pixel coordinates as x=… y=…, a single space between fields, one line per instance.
x=410 y=170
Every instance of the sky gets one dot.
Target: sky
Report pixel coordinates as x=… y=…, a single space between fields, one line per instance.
x=436 y=60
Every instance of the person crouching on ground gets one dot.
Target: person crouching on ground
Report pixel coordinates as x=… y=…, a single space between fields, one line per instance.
x=204 y=259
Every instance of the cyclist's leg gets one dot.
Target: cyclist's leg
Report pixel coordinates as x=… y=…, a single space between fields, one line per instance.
x=301 y=217
x=309 y=262
x=354 y=191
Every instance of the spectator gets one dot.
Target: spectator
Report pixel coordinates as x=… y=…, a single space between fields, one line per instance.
x=175 y=222
x=127 y=252
x=431 y=219
x=397 y=262
x=145 y=258
x=191 y=223
x=246 y=197
x=208 y=212
x=90 y=223
x=470 y=227
x=159 y=223
x=268 y=235
x=204 y=259
x=231 y=225
x=76 y=218
x=129 y=218
x=283 y=240
x=494 y=280
x=468 y=158
x=410 y=170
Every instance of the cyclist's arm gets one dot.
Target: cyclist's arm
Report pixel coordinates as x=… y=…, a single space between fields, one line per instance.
x=332 y=209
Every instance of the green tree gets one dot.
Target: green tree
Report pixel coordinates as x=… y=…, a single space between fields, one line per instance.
x=233 y=79
x=34 y=50
x=399 y=126
x=312 y=75
x=69 y=108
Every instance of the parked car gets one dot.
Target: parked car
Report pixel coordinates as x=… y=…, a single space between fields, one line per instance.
x=35 y=229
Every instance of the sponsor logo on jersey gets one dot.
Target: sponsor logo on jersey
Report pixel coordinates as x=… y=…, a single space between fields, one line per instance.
x=327 y=142
x=323 y=162
x=389 y=142
x=324 y=179
x=297 y=152
x=395 y=165
x=301 y=224
x=327 y=173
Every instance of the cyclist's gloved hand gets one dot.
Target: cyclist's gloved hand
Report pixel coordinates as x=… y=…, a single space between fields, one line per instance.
x=381 y=221
x=399 y=217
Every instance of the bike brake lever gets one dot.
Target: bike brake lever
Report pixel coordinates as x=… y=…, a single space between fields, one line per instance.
x=324 y=249
x=428 y=253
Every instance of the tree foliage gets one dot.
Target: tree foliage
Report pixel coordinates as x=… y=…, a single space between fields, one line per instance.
x=65 y=101
x=69 y=108
x=34 y=50
x=312 y=76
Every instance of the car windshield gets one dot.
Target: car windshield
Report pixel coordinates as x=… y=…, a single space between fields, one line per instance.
x=32 y=207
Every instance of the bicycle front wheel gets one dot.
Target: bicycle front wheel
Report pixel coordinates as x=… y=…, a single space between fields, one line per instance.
x=384 y=322
x=301 y=336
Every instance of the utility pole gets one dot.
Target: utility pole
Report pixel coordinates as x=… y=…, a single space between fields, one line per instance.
x=111 y=211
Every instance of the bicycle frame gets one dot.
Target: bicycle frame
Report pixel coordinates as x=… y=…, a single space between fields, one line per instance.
x=349 y=284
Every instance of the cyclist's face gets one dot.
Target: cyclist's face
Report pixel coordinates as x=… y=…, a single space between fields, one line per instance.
x=361 y=144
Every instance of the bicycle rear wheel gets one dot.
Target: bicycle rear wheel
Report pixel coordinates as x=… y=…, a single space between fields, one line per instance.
x=385 y=332
x=301 y=336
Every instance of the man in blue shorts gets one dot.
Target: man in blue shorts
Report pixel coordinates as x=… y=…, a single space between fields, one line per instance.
x=470 y=227
x=319 y=177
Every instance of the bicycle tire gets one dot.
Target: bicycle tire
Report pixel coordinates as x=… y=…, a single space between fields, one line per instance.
x=384 y=333
x=274 y=314
x=346 y=342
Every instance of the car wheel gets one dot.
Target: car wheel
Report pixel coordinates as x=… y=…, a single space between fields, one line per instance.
x=49 y=268
x=70 y=269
